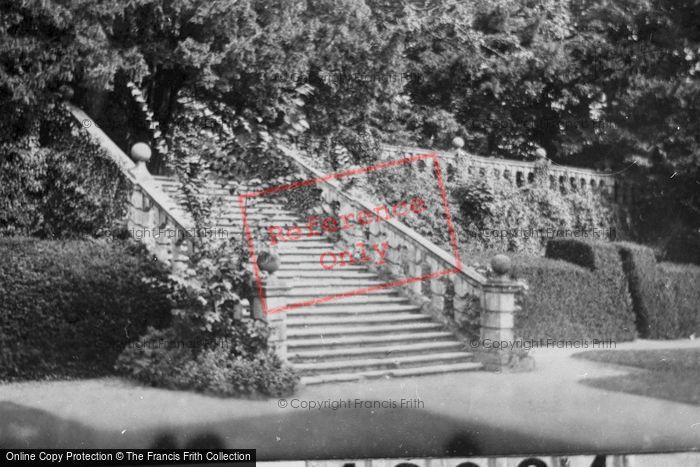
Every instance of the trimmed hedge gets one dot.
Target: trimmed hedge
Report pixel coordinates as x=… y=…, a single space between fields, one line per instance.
x=641 y=269
x=565 y=301
x=678 y=314
x=666 y=296
x=562 y=302
x=68 y=308
x=609 y=297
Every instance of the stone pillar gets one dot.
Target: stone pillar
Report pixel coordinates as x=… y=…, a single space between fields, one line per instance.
x=498 y=307
x=275 y=291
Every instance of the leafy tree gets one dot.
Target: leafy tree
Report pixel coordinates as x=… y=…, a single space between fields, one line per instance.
x=46 y=46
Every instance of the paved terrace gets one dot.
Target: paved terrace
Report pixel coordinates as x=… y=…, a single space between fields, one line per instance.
x=482 y=413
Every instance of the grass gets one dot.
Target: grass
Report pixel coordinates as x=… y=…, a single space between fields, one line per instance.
x=672 y=374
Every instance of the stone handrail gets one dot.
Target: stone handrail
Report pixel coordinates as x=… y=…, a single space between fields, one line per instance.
x=332 y=189
x=432 y=277
x=152 y=214
x=522 y=171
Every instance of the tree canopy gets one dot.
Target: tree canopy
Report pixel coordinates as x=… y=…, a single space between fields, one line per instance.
x=600 y=83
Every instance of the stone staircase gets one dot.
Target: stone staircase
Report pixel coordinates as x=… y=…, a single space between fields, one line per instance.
x=373 y=335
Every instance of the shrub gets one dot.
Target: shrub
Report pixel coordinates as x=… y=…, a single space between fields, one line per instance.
x=227 y=366
x=208 y=347
x=612 y=301
x=69 y=307
x=58 y=184
x=680 y=295
x=361 y=144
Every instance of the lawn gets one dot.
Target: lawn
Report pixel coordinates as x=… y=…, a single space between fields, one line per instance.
x=672 y=374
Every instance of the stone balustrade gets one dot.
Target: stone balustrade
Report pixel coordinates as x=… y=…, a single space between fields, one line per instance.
x=518 y=172
x=427 y=274
x=151 y=216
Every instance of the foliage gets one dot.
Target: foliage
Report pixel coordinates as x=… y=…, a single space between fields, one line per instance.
x=641 y=269
x=69 y=307
x=681 y=295
x=565 y=301
x=210 y=346
x=57 y=183
x=498 y=215
x=161 y=358
x=604 y=262
x=403 y=183
x=48 y=46
x=665 y=295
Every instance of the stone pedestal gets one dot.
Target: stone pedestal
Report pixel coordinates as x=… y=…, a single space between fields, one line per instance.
x=275 y=291
x=497 y=349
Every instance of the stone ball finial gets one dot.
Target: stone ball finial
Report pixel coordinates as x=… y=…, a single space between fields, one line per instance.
x=140 y=152
x=457 y=142
x=541 y=153
x=501 y=264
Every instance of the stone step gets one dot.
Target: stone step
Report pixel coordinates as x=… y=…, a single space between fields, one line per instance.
x=327 y=290
x=315 y=266
x=276 y=219
x=323 y=274
x=352 y=310
x=360 y=299
x=389 y=373
x=305 y=243
x=369 y=335
x=312 y=320
x=306 y=258
x=322 y=331
x=328 y=281
x=368 y=340
x=299 y=250
x=341 y=366
x=374 y=351
x=303 y=240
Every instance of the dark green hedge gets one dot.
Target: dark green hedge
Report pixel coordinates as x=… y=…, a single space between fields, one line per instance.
x=666 y=296
x=680 y=295
x=565 y=301
x=641 y=269
x=568 y=302
x=608 y=297
x=59 y=184
x=68 y=308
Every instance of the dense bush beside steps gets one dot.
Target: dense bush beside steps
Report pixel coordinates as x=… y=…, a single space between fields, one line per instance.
x=235 y=364
x=68 y=308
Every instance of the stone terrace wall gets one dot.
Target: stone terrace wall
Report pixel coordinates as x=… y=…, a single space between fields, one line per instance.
x=563 y=177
